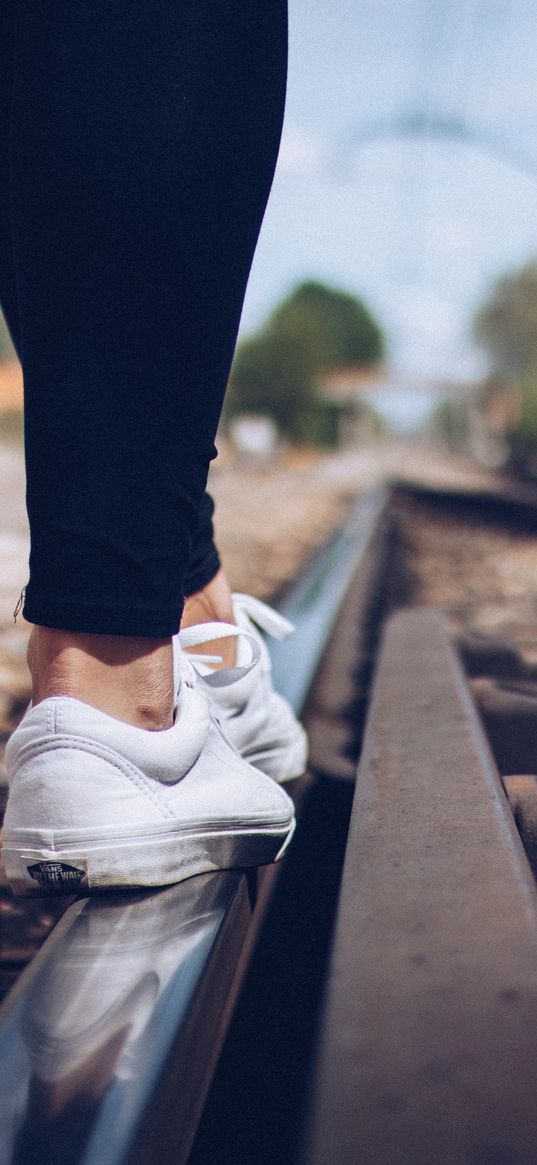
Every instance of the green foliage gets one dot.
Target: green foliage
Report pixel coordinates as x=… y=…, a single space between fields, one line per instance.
x=506 y=325
x=522 y=439
x=450 y=420
x=272 y=375
x=336 y=327
x=276 y=372
x=528 y=405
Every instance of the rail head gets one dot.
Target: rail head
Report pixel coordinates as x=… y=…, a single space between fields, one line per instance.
x=90 y=1035
x=428 y=1049
x=111 y=1035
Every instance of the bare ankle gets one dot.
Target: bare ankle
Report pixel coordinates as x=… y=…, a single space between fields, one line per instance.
x=128 y=678
x=213 y=603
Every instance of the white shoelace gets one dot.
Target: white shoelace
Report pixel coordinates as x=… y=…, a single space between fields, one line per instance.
x=268 y=620
x=205 y=633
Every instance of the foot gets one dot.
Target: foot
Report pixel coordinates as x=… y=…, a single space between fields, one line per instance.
x=255 y=719
x=96 y=803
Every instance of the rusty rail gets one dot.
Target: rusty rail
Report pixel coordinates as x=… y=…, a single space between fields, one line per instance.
x=428 y=1050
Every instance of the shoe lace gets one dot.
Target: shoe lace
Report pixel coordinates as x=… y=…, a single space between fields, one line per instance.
x=205 y=633
x=265 y=617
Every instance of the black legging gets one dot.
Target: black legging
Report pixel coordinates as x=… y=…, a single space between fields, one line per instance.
x=138 y=140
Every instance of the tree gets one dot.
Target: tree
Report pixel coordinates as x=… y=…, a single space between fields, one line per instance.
x=522 y=435
x=338 y=327
x=315 y=330
x=273 y=375
x=506 y=325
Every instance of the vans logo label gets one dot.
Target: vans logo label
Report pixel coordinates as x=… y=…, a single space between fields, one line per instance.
x=54 y=875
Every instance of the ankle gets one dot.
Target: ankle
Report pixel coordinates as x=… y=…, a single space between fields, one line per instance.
x=130 y=679
x=213 y=603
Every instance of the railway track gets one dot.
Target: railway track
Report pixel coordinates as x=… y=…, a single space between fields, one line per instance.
x=301 y=1018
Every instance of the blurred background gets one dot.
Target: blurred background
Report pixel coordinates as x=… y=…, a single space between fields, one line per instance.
x=390 y=325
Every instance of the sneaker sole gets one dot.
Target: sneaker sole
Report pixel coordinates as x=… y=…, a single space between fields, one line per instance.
x=38 y=866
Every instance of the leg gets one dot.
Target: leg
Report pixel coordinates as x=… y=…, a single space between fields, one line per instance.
x=155 y=148
x=137 y=183
x=8 y=286
x=142 y=139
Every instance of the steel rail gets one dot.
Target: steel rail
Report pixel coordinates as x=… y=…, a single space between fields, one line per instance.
x=109 y=1040
x=315 y=600
x=428 y=1050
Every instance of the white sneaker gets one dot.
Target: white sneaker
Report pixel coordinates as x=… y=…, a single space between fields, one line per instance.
x=255 y=718
x=98 y=804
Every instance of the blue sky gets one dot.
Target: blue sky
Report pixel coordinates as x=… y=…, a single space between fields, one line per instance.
x=419 y=227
